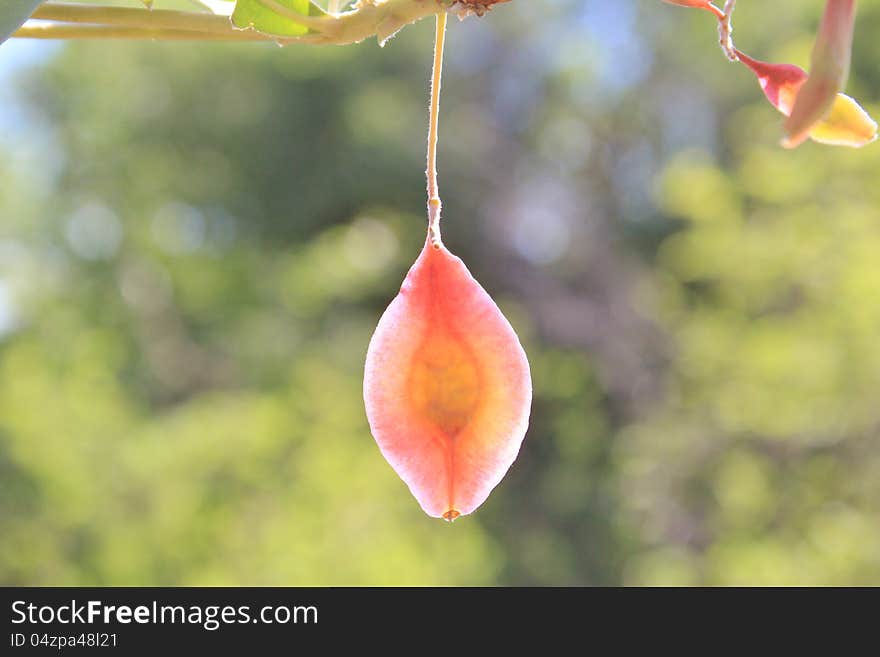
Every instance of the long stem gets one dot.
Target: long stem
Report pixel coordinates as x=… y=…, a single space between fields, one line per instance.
x=77 y=21
x=132 y=17
x=434 y=204
x=68 y=31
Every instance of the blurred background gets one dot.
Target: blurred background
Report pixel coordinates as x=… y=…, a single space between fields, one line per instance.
x=197 y=241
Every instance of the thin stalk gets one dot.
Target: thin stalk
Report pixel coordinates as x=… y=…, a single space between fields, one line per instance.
x=725 y=31
x=434 y=204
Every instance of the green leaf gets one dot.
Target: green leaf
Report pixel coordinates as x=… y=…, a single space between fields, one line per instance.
x=253 y=13
x=13 y=13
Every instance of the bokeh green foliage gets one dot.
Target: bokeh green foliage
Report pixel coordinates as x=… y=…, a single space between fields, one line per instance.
x=198 y=240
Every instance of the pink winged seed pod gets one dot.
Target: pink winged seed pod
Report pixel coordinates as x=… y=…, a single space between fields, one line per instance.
x=813 y=103
x=844 y=124
x=829 y=70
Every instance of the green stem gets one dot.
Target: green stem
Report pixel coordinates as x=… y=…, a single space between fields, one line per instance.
x=133 y=17
x=371 y=18
x=62 y=31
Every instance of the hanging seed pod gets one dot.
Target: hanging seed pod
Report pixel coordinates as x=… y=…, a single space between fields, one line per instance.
x=845 y=124
x=447 y=386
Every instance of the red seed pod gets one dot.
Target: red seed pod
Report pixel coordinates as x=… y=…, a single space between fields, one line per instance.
x=780 y=82
x=828 y=71
x=447 y=386
x=845 y=124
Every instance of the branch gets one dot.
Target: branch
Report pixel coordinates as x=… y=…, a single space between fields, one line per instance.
x=66 y=31
x=77 y=21
x=131 y=17
x=368 y=18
